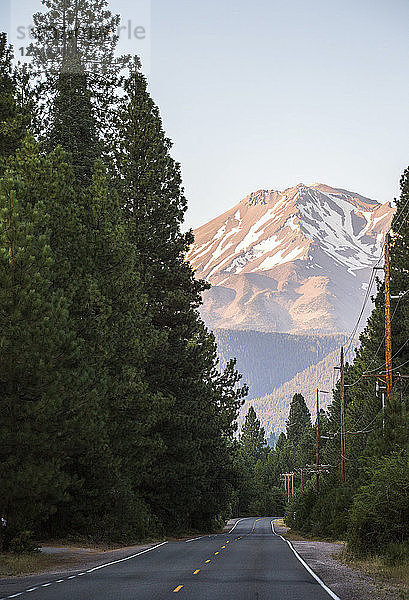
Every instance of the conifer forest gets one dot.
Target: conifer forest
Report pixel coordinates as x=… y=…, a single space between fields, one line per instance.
x=118 y=420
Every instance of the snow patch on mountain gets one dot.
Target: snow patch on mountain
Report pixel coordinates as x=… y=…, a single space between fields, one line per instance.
x=279 y=258
x=291 y=260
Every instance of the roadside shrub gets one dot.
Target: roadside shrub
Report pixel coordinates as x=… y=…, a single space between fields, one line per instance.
x=379 y=517
x=397 y=554
x=330 y=514
x=299 y=510
x=22 y=542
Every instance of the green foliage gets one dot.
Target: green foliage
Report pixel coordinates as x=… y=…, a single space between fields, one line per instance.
x=298 y=418
x=379 y=514
x=15 y=103
x=116 y=420
x=371 y=510
x=252 y=437
x=21 y=543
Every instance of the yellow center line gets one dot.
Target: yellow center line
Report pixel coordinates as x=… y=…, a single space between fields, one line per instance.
x=178 y=588
x=196 y=572
x=207 y=561
x=216 y=553
x=223 y=546
x=228 y=542
x=254 y=524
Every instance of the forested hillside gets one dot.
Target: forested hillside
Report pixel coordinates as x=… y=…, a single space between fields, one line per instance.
x=267 y=360
x=272 y=409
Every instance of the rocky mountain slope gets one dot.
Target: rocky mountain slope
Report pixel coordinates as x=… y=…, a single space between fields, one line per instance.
x=293 y=261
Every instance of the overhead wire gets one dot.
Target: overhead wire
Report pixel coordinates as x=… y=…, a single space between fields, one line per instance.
x=372 y=278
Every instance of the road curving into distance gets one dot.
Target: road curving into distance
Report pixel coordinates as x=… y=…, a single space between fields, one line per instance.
x=250 y=562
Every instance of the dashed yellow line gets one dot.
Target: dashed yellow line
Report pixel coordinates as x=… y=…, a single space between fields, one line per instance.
x=207 y=561
x=223 y=546
x=177 y=589
x=254 y=524
x=216 y=553
x=196 y=572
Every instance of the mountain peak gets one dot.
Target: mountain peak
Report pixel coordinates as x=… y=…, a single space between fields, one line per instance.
x=287 y=260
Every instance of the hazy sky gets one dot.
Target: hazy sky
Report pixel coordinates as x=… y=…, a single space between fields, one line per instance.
x=269 y=93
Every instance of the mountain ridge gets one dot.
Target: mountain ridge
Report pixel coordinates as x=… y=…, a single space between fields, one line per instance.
x=290 y=261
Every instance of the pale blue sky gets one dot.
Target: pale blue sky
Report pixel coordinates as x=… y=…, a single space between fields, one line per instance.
x=270 y=93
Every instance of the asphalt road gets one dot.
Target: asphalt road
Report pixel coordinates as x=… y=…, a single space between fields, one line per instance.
x=248 y=563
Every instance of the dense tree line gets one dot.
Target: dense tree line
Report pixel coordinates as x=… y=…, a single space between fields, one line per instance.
x=258 y=490
x=115 y=418
x=371 y=509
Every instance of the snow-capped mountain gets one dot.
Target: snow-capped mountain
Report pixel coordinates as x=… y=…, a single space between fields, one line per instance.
x=292 y=261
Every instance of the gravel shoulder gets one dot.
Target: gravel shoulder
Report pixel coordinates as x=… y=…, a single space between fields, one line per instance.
x=348 y=583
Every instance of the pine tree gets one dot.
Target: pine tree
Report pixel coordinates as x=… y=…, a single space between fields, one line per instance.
x=77 y=75
x=252 y=436
x=181 y=367
x=298 y=419
x=73 y=125
x=15 y=103
x=37 y=346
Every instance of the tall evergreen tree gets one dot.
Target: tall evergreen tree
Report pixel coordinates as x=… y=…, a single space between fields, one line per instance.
x=37 y=347
x=252 y=436
x=15 y=103
x=181 y=368
x=72 y=123
x=298 y=419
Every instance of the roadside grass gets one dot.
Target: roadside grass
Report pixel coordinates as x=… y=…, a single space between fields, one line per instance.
x=37 y=562
x=376 y=566
x=12 y=565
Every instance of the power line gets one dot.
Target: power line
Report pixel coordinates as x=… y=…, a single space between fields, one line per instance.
x=368 y=291
x=367 y=370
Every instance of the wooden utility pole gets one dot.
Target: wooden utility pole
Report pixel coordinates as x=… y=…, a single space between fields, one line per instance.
x=342 y=391
x=288 y=487
x=11 y=202
x=388 y=335
x=317 y=477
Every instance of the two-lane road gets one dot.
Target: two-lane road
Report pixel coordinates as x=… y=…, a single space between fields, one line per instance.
x=250 y=562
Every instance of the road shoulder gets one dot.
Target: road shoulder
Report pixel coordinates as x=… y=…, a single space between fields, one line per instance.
x=348 y=583
x=68 y=560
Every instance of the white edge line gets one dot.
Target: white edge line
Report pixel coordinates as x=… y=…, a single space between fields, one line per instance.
x=196 y=538
x=236 y=523
x=307 y=567
x=114 y=562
